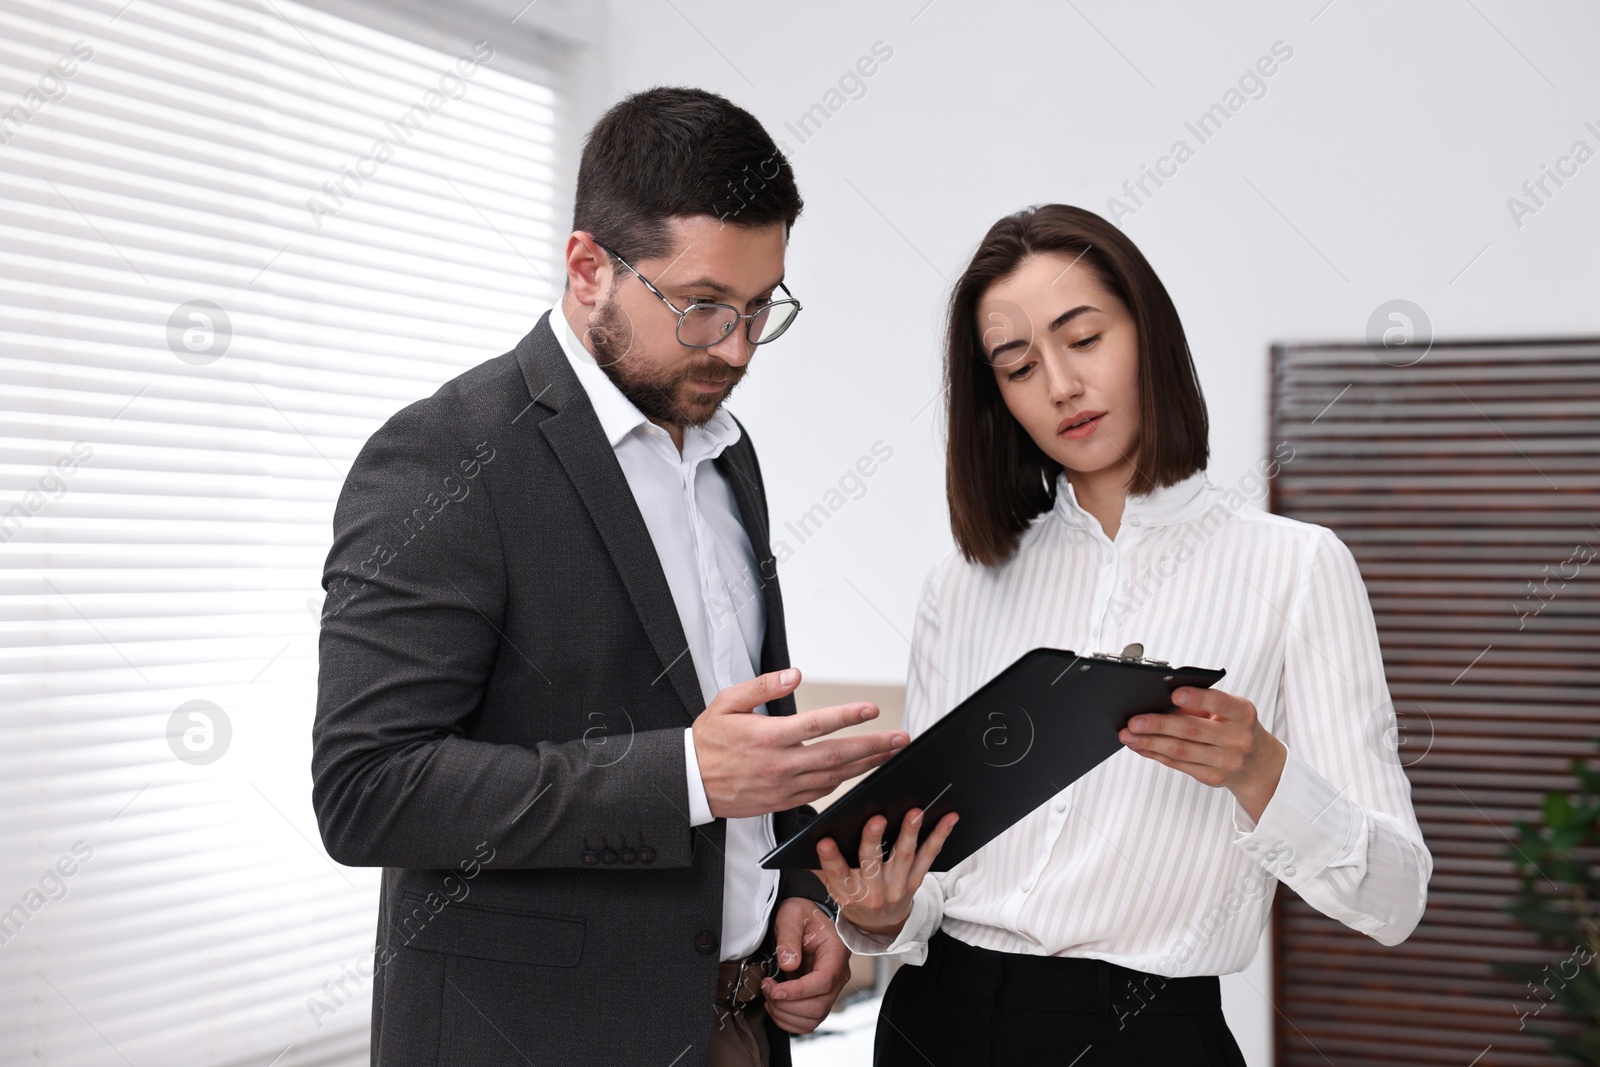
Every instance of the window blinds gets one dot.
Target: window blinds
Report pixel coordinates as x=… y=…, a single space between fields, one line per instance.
x=1463 y=478
x=234 y=238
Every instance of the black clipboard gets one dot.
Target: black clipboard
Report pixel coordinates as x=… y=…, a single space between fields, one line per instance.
x=1031 y=731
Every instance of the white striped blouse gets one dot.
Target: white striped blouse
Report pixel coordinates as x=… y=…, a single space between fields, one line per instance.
x=1137 y=863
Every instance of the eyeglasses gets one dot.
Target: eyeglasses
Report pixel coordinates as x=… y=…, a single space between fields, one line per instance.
x=702 y=325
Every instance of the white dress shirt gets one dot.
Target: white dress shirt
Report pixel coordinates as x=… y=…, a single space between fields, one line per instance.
x=1138 y=863
x=710 y=567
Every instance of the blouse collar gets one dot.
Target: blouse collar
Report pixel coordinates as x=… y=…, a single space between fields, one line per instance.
x=1161 y=506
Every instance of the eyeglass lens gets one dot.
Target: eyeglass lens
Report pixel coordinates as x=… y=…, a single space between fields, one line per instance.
x=706 y=324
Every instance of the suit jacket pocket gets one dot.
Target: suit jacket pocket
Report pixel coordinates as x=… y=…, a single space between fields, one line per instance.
x=465 y=929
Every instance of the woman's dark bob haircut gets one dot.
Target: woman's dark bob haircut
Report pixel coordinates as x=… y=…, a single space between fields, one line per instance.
x=996 y=479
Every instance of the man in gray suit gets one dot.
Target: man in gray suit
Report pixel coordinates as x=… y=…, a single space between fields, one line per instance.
x=555 y=701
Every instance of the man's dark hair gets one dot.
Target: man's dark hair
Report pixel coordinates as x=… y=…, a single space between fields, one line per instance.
x=996 y=479
x=674 y=152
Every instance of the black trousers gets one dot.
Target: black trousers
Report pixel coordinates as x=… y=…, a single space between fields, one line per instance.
x=973 y=1007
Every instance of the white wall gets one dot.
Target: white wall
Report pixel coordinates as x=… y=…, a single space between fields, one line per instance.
x=1376 y=166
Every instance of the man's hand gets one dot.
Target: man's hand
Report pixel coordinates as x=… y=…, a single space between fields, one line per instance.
x=877 y=895
x=754 y=764
x=808 y=946
x=1214 y=738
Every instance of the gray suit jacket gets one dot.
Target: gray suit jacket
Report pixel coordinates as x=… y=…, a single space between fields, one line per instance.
x=503 y=690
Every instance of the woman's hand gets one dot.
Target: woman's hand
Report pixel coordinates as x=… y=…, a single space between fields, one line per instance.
x=1214 y=738
x=877 y=895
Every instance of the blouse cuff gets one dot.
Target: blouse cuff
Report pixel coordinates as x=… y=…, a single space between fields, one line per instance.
x=1306 y=826
x=911 y=944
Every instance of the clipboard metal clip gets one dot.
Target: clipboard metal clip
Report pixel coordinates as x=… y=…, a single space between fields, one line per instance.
x=1132 y=652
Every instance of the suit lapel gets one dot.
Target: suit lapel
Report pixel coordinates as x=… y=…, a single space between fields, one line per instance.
x=580 y=445
x=746 y=493
x=737 y=464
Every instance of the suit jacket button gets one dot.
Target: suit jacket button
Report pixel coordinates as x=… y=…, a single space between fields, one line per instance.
x=590 y=857
x=647 y=854
x=628 y=855
x=608 y=856
x=704 y=943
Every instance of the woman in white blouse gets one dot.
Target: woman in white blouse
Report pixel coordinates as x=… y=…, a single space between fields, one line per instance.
x=1091 y=932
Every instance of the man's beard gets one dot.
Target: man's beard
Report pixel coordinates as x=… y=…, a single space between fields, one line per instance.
x=662 y=396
